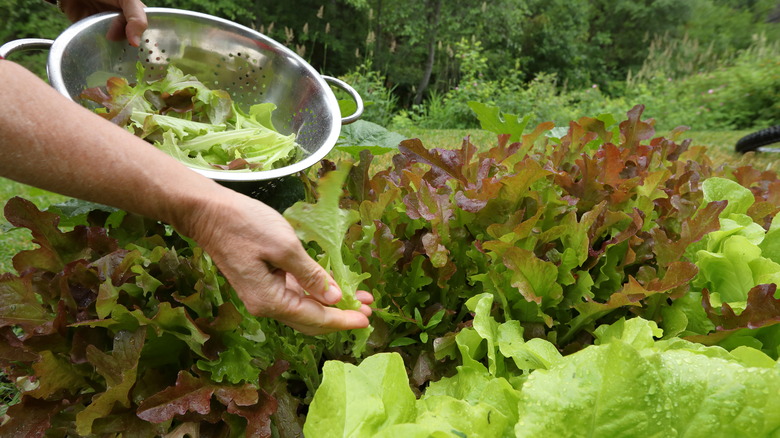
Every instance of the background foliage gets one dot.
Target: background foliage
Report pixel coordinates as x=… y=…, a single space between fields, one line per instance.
x=711 y=64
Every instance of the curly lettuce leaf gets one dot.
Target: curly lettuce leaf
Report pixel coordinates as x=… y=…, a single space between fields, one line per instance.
x=326 y=224
x=200 y=127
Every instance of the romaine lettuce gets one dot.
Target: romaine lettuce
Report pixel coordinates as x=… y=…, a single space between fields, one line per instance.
x=327 y=224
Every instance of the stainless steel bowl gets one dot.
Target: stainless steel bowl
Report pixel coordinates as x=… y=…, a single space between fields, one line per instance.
x=252 y=67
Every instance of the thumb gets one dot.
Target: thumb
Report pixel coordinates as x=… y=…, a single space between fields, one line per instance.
x=135 y=18
x=313 y=278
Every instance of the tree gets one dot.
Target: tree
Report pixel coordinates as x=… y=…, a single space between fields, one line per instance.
x=729 y=25
x=621 y=31
x=433 y=18
x=556 y=40
x=415 y=40
x=30 y=19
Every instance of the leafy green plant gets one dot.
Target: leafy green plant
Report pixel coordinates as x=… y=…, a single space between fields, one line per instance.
x=325 y=224
x=738 y=274
x=364 y=135
x=629 y=384
x=380 y=101
x=200 y=127
x=555 y=259
x=112 y=329
x=562 y=235
x=9 y=395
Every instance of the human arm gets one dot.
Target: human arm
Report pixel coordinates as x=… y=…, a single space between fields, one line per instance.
x=52 y=143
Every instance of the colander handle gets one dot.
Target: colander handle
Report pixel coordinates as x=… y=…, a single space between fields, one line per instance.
x=354 y=94
x=23 y=44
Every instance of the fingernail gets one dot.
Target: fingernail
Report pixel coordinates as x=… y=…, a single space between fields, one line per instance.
x=333 y=294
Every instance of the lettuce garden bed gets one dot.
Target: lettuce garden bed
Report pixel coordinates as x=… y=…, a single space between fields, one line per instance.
x=595 y=281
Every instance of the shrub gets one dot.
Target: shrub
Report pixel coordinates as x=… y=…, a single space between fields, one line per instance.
x=744 y=94
x=380 y=101
x=22 y=19
x=543 y=97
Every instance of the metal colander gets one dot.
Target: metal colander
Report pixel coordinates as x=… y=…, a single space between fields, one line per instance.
x=252 y=67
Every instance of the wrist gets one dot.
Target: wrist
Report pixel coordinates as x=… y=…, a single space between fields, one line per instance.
x=200 y=213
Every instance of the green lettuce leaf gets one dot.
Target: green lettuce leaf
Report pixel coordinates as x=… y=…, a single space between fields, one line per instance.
x=326 y=224
x=720 y=189
x=492 y=119
x=632 y=386
x=358 y=401
x=735 y=264
x=364 y=135
x=202 y=128
x=626 y=386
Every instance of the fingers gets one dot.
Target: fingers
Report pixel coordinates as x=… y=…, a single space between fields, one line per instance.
x=316 y=319
x=131 y=24
x=364 y=297
x=117 y=30
x=304 y=312
x=307 y=273
x=135 y=18
x=278 y=295
x=311 y=314
x=312 y=318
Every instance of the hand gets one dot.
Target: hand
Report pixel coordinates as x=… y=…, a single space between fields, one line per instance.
x=253 y=245
x=260 y=255
x=130 y=24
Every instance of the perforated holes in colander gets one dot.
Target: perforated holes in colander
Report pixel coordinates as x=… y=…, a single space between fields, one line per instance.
x=153 y=59
x=301 y=118
x=246 y=77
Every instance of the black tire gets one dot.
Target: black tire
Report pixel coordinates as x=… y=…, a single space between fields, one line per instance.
x=752 y=142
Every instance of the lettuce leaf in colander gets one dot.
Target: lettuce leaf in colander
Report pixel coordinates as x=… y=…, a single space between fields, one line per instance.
x=202 y=128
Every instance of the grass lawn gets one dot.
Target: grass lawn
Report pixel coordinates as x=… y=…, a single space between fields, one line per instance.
x=720 y=145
